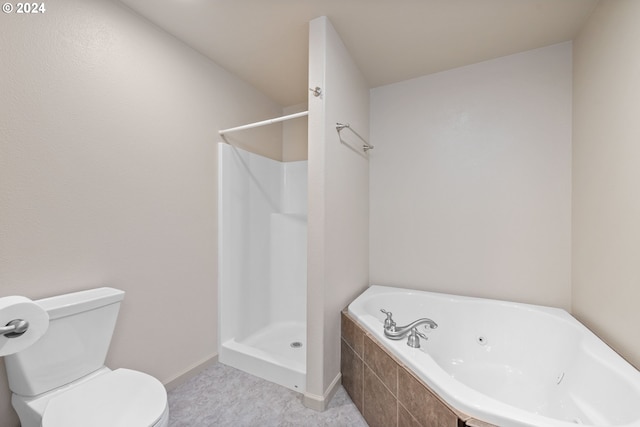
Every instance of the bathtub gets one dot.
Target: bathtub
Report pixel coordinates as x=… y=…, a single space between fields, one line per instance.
x=507 y=364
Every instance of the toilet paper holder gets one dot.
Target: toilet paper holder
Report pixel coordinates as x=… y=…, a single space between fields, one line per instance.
x=14 y=328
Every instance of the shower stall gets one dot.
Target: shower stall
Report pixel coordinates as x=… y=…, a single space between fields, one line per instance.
x=262 y=261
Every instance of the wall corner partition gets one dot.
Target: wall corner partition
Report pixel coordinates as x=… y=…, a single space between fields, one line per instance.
x=338 y=215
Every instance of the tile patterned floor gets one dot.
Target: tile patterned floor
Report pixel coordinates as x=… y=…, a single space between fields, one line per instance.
x=224 y=396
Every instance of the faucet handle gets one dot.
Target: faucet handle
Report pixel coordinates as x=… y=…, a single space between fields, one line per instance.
x=420 y=334
x=413 y=340
x=389 y=324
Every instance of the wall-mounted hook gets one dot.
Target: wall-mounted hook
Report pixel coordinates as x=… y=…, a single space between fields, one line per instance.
x=316 y=91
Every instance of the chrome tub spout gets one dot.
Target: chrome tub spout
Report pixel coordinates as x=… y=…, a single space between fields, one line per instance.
x=400 y=331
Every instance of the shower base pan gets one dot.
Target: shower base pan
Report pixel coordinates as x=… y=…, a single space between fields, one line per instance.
x=276 y=353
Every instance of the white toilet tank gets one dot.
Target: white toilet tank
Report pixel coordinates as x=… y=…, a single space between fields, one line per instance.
x=76 y=343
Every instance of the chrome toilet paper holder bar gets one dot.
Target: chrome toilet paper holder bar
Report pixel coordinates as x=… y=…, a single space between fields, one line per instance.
x=14 y=328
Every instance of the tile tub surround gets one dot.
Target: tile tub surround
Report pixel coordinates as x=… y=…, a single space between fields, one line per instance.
x=385 y=392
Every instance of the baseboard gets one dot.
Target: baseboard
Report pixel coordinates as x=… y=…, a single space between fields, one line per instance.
x=320 y=403
x=191 y=372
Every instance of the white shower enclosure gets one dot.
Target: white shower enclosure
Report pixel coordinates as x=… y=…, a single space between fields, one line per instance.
x=262 y=262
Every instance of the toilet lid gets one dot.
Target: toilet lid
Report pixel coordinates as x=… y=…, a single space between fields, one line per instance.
x=120 y=398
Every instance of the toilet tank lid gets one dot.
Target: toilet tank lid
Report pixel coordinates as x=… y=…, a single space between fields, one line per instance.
x=78 y=302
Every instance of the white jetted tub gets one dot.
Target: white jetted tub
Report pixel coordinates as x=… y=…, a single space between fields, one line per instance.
x=506 y=363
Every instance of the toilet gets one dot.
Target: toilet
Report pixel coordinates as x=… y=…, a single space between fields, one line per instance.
x=61 y=380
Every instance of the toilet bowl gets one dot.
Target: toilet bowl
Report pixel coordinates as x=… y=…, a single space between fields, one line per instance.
x=61 y=380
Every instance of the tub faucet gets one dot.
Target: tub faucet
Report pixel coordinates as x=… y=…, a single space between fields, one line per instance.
x=399 y=332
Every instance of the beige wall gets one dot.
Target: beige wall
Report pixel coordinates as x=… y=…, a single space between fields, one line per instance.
x=338 y=259
x=606 y=175
x=107 y=177
x=108 y=131
x=471 y=180
x=295 y=135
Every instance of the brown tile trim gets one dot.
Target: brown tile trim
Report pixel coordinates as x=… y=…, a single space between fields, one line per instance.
x=376 y=363
x=380 y=406
x=381 y=364
x=364 y=331
x=422 y=403
x=405 y=419
x=352 y=369
x=352 y=333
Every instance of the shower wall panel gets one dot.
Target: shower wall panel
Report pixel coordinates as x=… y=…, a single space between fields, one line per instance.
x=288 y=267
x=251 y=190
x=263 y=265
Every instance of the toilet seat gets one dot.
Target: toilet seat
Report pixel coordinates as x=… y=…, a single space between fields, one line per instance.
x=119 y=398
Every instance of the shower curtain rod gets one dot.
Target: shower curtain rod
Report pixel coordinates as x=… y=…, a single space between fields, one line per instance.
x=265 y=122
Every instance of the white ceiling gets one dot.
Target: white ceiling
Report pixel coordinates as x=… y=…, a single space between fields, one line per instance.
x=265 y=42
